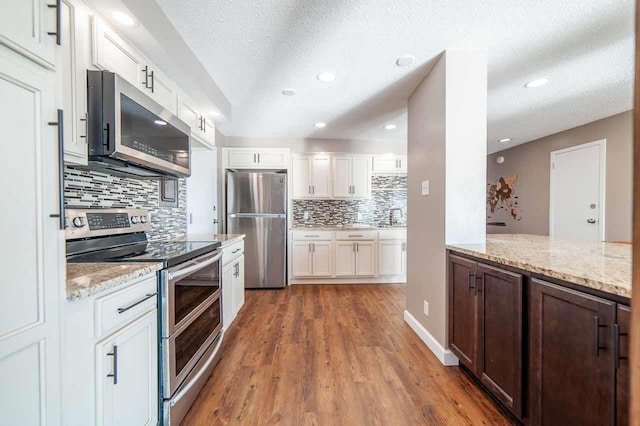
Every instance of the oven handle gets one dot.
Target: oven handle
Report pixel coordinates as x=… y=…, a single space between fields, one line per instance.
x=195 y=378
x=186 y=271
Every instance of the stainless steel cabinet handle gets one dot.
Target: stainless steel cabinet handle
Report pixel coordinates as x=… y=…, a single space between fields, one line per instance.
x=153 y=82
x=357 y=246
x=314 y=247
x=355 y=236
x=312 y=236
x=591 y=221
x=145 y=70
x=58 y=32
x=204 y=127
x=60 y=124
x=258 y=157
x=196 y=267
x=236 y=250
x=313 y=189
x=309 y=247
x=114 y=354
x=146 y=297
x=255 y=158
x=353 y=247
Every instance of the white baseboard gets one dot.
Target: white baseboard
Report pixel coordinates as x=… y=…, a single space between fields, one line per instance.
x=445 y=356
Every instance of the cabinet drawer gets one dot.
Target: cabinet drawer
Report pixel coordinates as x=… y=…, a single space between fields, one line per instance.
x=312 y=235
x=120 y=308
x=232 y=252
x=392 y=234
x=356 y=235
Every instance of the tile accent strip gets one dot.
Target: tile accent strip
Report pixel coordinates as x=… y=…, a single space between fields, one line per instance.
x=388 y=192
x=89 y=189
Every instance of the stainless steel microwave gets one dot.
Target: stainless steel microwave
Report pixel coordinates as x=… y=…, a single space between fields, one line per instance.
x=129 y=134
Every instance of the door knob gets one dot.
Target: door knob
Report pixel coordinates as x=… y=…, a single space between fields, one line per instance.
x=591 y=221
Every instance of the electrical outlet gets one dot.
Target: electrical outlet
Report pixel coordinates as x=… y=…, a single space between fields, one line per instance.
x=359 y=216
x=426 y=308
x=306 y=215
x=425 y=187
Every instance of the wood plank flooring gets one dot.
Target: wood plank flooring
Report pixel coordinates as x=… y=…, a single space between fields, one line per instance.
x=334 y=355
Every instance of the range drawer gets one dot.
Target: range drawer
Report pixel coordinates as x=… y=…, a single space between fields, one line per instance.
x=392 y=234
x=312 y=235
x=232 y=252
x=356 y=235
x=124 y=306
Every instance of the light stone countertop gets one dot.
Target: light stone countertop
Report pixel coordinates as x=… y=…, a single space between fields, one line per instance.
x=345 y=228
x=225 y=239
x=88 y=279
x=600 y=266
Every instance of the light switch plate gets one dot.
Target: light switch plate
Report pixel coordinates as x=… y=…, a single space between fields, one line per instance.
x=426 y=308
x=359 y=216
x=425 y=187
x=306 y=215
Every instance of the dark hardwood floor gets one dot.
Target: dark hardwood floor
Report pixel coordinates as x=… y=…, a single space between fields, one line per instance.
x=334 y=355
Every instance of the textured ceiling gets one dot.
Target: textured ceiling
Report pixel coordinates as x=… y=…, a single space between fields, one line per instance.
x=254 y=49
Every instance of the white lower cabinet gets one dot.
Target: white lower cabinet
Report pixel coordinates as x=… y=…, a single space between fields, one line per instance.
x=392 y=258
x=312 y=259
x=365 y=258
x=127 y=374
x=238 y=285
x=232 y=282
x=355 y=258
x=345 y=258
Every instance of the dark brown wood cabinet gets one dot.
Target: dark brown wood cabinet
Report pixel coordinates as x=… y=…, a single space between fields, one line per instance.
x=571 y=348
x=621 y=354
x=500 y=313
x=485 y=326
x=463 y=311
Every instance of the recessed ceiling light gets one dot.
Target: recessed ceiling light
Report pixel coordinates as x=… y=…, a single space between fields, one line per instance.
x=405 y=61
x=123 y=18
x=503 y=140
x=288 y=92
x=320 y=125
x=390 y=126
x=537 y=82
x=327 y=76
x=160 y=122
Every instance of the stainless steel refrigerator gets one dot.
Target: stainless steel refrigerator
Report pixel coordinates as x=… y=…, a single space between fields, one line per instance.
x=256 y=206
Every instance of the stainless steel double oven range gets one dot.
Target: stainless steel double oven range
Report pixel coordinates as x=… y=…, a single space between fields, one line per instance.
x=189 y=295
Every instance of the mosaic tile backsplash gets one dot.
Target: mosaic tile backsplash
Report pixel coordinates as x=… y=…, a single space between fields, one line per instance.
x=387 y=192
x=89 y=189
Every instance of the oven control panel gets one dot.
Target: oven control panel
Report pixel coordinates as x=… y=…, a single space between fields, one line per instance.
x=84 y=223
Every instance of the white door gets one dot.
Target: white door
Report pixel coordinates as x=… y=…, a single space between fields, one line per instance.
x=390 y=258
x=321 y=176
x=202 y=192
x=188 y=112
x=301 y=259
x=385 y=164
x=342 y=177
x=365 y=258
x=272 y=159
x=228 y=313
x=577 y=192
x=361 y=177
x=238 y=285
x=345 y=258
x=301 y=176
x=240 y=158
x=322 y=256
x=127 y=368
x=24 y=25
x=159 y=87
x=112 y=53
x=31 y=245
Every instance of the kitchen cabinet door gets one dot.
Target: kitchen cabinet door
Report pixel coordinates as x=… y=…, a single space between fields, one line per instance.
x=500 y=297
x=361 y=177
x=385 y=164
x=402 y=164
x=463 y=311
x=228 y=312
x=72 y=78
x=301 y=176
x=112 y=53
x=391 y=258
x=273 y=159
x=571 y=347
x=158 y=87
x=242 y=159
x=322 y=258
x=238 y=285
x=301 y=259
x=341 y=168
x=365 y=258
x=127 y=371
x=31 y=243
x=622 y=332
x=345 y=258
x=321 y=176
x=24 y=26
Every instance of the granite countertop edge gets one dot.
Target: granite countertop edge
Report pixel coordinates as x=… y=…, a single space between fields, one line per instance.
x=610 y=286
x=101 y=277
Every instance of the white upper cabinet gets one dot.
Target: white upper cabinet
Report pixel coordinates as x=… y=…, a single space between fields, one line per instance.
x=389 y=164
x=311 y=176
x=257 y=158
x=25 y=26
x=351 y=177
x=111 y=52
x=202 y=130
x=158 y=86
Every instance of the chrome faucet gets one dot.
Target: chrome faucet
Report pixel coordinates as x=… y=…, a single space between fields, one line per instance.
x=392 y=218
